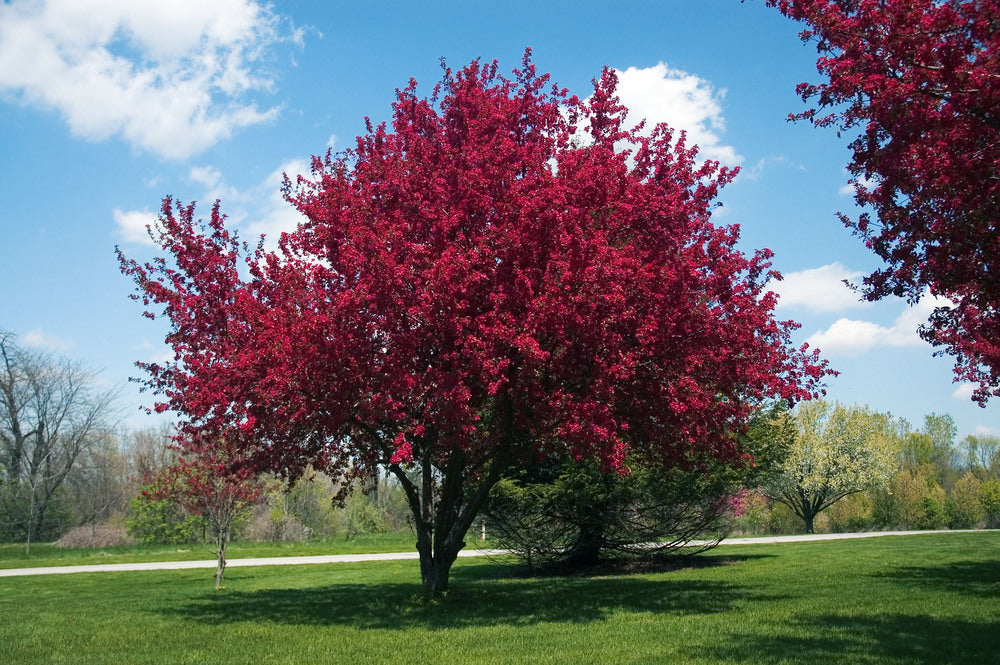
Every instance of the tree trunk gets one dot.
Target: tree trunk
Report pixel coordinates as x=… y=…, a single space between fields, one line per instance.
x=808 y=513
x=443 y=511
x=441 y=531
x=586 y=548
x=221 y=542
x=808 y=519
x=435 y=566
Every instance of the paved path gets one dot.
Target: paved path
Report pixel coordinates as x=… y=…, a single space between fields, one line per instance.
x=391 y=556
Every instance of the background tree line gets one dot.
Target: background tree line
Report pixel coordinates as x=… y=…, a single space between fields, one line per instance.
x=69 y=470
x=900 y=478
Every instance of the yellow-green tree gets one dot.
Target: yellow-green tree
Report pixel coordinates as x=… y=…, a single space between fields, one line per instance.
x=833 y=451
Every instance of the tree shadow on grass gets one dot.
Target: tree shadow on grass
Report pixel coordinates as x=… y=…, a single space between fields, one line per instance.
x=476 y=598
x=867 y=640
x=972 y=578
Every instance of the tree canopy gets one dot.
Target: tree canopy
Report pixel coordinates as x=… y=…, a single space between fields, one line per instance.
x=833 y=451
x=919 y=81
x=503 y=273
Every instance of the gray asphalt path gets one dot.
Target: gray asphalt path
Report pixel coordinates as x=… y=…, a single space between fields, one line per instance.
x=391 y=556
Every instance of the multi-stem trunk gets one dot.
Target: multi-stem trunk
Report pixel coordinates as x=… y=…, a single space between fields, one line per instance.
x=443 y=511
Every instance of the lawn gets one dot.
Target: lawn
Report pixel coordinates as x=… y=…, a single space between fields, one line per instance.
x=905 y=599
x=12 y=555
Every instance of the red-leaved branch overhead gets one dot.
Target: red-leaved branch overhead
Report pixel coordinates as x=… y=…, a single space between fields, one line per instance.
x=919 y=82
x=502 y=273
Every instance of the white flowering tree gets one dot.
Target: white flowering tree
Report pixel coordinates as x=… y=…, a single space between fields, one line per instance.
x=833 y=451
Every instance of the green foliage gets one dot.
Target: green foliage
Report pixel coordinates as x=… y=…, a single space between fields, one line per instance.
x=852 y=513
x=161 y=521
x=752 y=519
x=989 y=498
x=571 y=513
x=885 y=507
x=311 y=502
x=964 y=508
x=920 y=501
x=15 y=514
x=360 y=515
x=317 y=509
x=832 y=452
x=781 y=520
x=982 y=456
x=933 y=447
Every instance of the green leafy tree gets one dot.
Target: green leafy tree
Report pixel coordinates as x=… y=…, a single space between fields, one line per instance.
x=161 y=521
x=919 y=501
x=989 y=498
x=836 y=451
x=933 y=446
x=571 y=513
x=852 y=513
x=981 y=455
x=964 y=507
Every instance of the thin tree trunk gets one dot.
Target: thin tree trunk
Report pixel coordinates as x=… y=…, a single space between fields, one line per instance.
x=221 y=542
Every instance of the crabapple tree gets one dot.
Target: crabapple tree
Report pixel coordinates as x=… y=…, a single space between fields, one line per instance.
x=502 y=273
x=918 y=81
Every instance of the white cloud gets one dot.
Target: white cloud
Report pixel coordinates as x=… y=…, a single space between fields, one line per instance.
x=868 y=183
x=132 y=225
x=964 y=391
x=983 y=430
x=681 y=100
x=852 y=337
x=211 y=177
x=818 y=289
x=169 y=76
x=275 y=215
x=257 y=210
x=41 y=339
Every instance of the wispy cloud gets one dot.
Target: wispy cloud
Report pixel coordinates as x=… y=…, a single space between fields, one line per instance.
x=256 y=210
x=168 y=76
x=272 y=214
x=41 y=339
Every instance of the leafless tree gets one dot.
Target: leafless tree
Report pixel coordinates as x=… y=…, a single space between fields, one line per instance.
x=52 y=411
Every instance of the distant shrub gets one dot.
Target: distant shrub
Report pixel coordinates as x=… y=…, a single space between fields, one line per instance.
x=160 y=521
x=270 y=525
x=989 y=498
x=98 y=535
x=965 y=510
x=781 y=520
x=753 y=517
x=852 y=513
x=920 y=501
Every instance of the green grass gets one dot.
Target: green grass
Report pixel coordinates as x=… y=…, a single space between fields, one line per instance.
x=894 y=600
x=46 y=554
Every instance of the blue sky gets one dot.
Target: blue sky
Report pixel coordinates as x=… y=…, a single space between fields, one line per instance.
x=108 y=105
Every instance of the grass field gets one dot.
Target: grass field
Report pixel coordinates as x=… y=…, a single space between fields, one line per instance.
x=45 y=554
x=906 y=599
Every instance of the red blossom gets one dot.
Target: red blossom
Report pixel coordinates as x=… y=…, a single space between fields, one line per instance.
x=474 y=286
x=918 y=81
